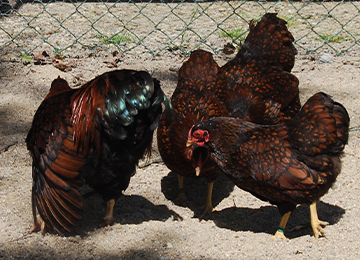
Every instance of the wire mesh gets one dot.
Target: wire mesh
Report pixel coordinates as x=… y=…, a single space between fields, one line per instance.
x=156 y=26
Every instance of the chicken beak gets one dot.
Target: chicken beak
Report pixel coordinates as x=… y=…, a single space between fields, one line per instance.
x=197 y=171
x=190 y=143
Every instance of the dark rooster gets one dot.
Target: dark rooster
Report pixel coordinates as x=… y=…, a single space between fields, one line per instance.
x=286 y=164
x=95 y=135
x=256 y=85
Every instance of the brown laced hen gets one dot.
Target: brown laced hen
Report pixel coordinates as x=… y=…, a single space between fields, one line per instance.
x=263 y=90
x=197 y=97
x=95 y=135
x=256 y=85
x=286 y=164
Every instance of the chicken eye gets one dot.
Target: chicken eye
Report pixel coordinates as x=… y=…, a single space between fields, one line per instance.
x=196 y=134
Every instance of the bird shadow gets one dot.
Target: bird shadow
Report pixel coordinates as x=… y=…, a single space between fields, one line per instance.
x=11 y=129
x=129 y=209
x=195 y=191
x=266 y=219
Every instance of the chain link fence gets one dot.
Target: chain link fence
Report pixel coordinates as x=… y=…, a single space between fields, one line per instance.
x=157 y=26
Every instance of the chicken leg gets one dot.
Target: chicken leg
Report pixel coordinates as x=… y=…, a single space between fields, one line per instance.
x=315 y=222
x=208 y=207
x=181 y=198
x=109 y=217
x=280 y=232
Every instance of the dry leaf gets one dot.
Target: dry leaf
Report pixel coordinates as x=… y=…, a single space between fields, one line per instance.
x=41 y=57
x=229 y=49
x=112 y=59
x=59 y=63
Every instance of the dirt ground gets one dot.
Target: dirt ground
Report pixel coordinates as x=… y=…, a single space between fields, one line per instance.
x=149 y=225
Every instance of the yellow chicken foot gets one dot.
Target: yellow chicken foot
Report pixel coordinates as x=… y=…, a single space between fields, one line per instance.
x=208 y=207
x=280 y=232
x=109 y=217
x=315 y=222
x=181 y=198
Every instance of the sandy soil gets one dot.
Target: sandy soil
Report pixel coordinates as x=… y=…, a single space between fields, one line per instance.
x=148 y=223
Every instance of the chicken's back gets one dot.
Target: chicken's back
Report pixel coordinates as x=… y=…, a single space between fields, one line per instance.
x=260 y=75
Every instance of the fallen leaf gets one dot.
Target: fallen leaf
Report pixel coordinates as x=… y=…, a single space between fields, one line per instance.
x=60 y=64
x=229 y=49
x=112 y=59
x=41 y=57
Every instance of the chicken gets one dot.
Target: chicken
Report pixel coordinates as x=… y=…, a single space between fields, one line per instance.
x=93 y=135
x=57 y=86
x=256 y=85
x=263 y=90
x=191 y=103
x=286 y=164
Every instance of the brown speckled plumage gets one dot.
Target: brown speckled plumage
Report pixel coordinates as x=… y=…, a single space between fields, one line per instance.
x=286 y=164
x=256 y=85
x=260 y=75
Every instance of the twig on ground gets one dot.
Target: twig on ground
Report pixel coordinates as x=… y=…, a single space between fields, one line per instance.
x=7 y=146
x=24 y=236
x=355 y=128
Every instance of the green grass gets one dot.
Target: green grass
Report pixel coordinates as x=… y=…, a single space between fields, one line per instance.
x=184 y=36
x=240 y=33
x=115 y=39
x=234 y=34
x=57 y=51
x=26 y=57
x=291 y=21
x=333 y=38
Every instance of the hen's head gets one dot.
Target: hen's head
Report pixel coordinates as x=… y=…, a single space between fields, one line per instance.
x=198 y=136
x=197 y=148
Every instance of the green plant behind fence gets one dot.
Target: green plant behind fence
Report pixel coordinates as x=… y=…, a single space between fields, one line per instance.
x=171 y=25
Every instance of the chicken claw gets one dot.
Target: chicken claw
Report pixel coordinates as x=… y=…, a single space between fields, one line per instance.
x=109 y=217
x=181 y=198
x=315 y=222
x=39 y=225
x=280 y=232
x=207 y=209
